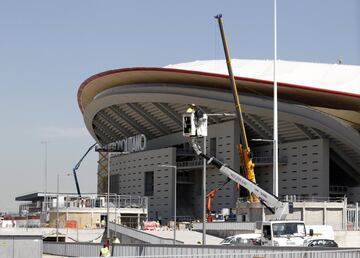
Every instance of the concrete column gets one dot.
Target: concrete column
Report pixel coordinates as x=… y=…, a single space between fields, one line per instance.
x=138 y=220
x=263 y=214
x=357 y=216
x=91 y=218
x=345 y=214
x=67 y=213
x=303 y=213
x=325 y=218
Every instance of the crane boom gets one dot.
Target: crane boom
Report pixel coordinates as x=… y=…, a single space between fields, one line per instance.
x=77 y=166
x=243 y=147
x=279 y=208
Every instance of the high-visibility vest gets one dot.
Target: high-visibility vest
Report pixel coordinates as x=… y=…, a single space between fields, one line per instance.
x=105 y=252
x=190 y=110
x=116 y=241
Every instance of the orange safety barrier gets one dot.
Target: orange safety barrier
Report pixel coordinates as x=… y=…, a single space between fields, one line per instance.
x=70 y=224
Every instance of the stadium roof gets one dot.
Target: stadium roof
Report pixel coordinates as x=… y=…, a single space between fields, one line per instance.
x=315 y=101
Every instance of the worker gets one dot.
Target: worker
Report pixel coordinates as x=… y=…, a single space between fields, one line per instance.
x=97 y=223
x=107 y=243
x=191 y=108
x=103 y=223
x=104 y=251
x=115 y=241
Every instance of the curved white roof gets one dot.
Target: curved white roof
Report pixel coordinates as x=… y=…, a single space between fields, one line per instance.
x=335 y=77
x=315 y=100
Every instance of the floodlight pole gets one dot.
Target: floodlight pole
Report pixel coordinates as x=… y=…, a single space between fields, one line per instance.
x=204 y=194
x=275 y=149
x=57 y=208
x=108 y=196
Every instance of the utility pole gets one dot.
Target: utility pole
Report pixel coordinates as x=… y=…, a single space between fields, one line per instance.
x=45 y=185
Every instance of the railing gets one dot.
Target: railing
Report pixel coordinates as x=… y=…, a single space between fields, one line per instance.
x=298 y=198
x=97 y=201
x=196 y=251
x=352 y=216
x=185 y=152
x=266 y=160
x=190 y=163
x=31 y=207
x=338 y=189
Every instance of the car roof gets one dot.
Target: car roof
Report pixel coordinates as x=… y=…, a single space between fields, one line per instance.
x=249 y=235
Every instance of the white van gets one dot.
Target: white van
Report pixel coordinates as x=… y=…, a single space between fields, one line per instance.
x=320 y=232
x=242 y=239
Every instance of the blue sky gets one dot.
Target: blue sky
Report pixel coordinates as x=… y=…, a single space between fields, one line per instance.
x=48 y=48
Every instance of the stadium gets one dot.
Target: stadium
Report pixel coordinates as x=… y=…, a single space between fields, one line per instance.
x=319 y=126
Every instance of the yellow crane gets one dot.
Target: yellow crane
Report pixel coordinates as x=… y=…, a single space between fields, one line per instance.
x=243 y=148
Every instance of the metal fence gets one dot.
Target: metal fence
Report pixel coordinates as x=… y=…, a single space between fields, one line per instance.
x=353 y=217
x=196 y=251
x=20 y=246
x=95 y=201
x=313 y=254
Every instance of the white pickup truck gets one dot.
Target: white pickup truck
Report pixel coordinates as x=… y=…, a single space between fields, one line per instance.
x=283 y=233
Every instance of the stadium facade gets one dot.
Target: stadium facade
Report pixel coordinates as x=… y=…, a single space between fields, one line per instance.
x=142 y=107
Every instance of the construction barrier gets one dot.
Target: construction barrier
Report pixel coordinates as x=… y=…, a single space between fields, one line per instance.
x=70 y=224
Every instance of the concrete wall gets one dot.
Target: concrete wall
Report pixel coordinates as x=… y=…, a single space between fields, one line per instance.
x=128 y=178
x=312 y=213
x=128 y=172
x=306 y=173
x=353 y=194
x=83 y=219
x=225 y=151
x=348 y=238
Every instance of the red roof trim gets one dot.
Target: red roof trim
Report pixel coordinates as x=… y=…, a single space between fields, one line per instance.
x=109 y=72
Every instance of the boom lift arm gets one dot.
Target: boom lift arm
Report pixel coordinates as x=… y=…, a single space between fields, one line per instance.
x=243 y=147
x=270 y=201
x=77 y=167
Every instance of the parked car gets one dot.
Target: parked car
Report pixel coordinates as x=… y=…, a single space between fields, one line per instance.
x=242 y=240
x=322 y=243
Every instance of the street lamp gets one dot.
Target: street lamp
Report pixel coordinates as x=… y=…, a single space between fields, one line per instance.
x=45 y=186
x=175 y=175
x=108 y=197
x=204 y=194
x=109 y=150
x=108 y=191
x=57 y=204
